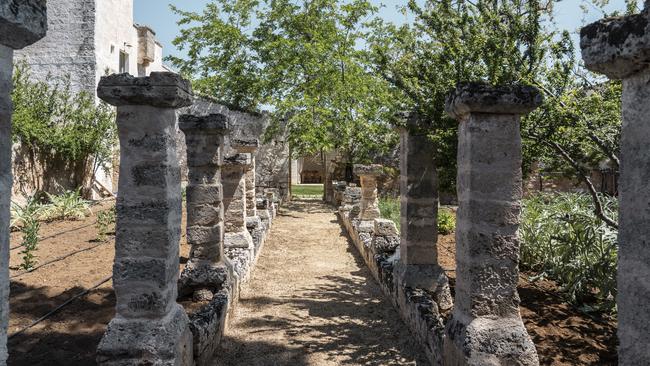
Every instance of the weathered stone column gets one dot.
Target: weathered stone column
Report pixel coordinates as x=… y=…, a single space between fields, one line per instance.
x=369 y=201
x=486 y=326
x=248 y=147
x=205 y=272
x=149 y=326
x=238 y=242
x=22 y=22
x=418 y=266
x=620 y=49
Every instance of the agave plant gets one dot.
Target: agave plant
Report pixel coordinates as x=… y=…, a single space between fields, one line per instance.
x=68 y=205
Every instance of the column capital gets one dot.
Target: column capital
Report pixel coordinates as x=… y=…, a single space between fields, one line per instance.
x=483 y=98
x=211 y=124
x=241 y=160
x=245 y=145
x=22 y=22
x=617 y=47
x=413 y=123
x=160 y=89
x=372 y=170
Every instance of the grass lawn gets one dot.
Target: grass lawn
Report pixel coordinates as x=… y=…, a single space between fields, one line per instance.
x=307 y=190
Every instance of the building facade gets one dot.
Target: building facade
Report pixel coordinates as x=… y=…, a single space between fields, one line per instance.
x=86 y=40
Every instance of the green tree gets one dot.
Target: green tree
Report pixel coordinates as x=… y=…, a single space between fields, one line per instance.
x=304 y=61
x=452 y=41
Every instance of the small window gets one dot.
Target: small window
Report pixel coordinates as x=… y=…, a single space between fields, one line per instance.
x=112 y=49
x=124 y=62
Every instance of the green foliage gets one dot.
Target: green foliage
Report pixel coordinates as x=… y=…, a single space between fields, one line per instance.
x=27 y=217
x=452 y=41
x=561 y=238
x=307 y=190
x=104 y=220
x=66 y=206
x=446 y=221
x=51 y=120
x=302 y=60
x=389 y=207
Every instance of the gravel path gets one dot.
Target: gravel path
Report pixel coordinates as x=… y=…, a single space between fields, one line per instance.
x=311 y=301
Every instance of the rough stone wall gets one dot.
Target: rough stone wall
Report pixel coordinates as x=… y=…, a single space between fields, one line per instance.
x=69 y=47
x=272 y=157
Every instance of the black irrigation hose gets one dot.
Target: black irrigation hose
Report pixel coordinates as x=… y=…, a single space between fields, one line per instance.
x=55 y=310
x=57 y=260
x=57 y=234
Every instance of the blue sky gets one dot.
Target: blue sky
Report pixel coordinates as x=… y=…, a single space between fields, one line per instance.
x=568 y=13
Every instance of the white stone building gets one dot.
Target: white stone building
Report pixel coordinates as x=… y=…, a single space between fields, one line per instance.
x=86 y=40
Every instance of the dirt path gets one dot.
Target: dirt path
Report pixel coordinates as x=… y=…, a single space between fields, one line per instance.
x=311 y=301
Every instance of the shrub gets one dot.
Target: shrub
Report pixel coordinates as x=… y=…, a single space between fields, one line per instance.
x=52 y=121
x=562 y=239
x=390 y=209
x=27 y=217
x=446 y=221
x=104 y=220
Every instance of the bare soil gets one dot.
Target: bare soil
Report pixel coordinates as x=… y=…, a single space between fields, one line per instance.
x=310 y=301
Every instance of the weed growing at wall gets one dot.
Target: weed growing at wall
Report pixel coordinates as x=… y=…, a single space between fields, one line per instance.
x=561 y=238
x=446 y=221
x=52 y=121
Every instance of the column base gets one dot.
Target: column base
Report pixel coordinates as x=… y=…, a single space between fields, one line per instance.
x=200 y=275
x=240 y=250
x=155 y=342
x=488 y=342
x=429 y=277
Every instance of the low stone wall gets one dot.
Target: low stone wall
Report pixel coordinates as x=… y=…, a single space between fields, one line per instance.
x=209 y=321
x=378 y=243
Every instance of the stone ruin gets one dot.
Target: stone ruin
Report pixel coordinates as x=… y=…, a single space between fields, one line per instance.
x=223 y=229
x=21 y=24
x=229 y=216
x=620 y=49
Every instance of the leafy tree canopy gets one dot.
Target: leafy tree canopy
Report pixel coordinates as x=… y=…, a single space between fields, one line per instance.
x=303 y=60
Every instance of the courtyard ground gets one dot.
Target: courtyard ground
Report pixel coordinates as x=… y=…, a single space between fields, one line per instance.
x=310 y=301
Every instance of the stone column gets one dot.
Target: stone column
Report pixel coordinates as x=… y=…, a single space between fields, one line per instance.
x=149 y=326
x=22 y=22
x=205 y=272
x=369 y=201
x=486 y=326
x=620 y=49
x=238 y=242
x=253 y=221
x=248 y=147
x=418 y=266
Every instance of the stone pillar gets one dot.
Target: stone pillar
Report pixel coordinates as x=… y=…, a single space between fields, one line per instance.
x=22 y=22
x=486 y=326
x=253 y=221
x=620 y=49
x=248 y=147
x=369 y=201
x=205 y=272
x=238 y=242
x=149 y=326
x=418 y=266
